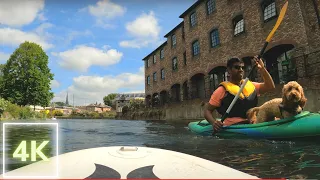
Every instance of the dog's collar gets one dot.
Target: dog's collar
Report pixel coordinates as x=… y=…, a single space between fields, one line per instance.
x=289 y=110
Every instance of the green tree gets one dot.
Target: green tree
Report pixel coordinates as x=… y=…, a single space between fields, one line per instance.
x=1 y=77
x=108 y=99
x=60 y=103
x=27 y=77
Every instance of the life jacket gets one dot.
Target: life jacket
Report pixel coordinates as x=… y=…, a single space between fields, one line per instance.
x=247 y=99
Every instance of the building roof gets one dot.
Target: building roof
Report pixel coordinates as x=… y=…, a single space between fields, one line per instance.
x=180 y=24
x=190 y=8
x=98 y=105
x=164 y=43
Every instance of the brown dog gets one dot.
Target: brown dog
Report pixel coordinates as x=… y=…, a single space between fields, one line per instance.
x=291 y=104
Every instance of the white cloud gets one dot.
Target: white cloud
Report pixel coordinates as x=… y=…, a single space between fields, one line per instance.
x=41 y=17
x=91 y=89
x=101 y=23
x=144 y=29
x=42 y=27
x=82 y=57
x=19 y=12
x=106 y=47
x=54 y=84
x=14 y=37
x=4 y=57
x=74 y=34
x=104 y=10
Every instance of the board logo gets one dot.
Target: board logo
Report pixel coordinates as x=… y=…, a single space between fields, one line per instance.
x=103 y=171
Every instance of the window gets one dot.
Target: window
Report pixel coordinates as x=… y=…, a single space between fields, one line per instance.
x=216 y=78
x=214 y=36
x=193 y=19
x=162 y=73
x=174 y=64
x=211 y=6
x=185 y=58
x=154 y=59
x=195 y=48
x=155 y=76
x=238 y=25
x=269 y=9
x=286 y=67
x=161 y=54
x=148 y=80
x=173 y=40
x=147 y=63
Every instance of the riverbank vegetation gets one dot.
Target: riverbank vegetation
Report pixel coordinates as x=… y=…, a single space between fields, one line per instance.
x=10 y=111
x=89 y=115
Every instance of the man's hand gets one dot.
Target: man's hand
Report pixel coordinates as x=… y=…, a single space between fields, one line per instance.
x=259 y=62
x=268 y=84
x=217 y=126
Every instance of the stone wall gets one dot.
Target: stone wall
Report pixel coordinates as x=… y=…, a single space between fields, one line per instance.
x=192 y=110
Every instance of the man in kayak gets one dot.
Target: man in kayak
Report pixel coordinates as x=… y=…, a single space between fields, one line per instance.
x=222 y=97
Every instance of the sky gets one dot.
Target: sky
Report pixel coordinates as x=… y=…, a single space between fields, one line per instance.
x=95 y=47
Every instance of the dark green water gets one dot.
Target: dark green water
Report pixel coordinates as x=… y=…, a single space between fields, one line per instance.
x=262 y=158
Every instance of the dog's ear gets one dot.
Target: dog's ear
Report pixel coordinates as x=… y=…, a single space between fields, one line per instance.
x=303 y=99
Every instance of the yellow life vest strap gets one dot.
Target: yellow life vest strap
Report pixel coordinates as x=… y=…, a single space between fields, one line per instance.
x=233 y=89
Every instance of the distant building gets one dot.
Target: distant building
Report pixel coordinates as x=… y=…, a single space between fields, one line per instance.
x=36 y=108
x=98 y=108
x=64 y=109
x=122 y=100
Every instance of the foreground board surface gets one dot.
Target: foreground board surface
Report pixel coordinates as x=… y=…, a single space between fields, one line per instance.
x=303 y=125
x=130 y=162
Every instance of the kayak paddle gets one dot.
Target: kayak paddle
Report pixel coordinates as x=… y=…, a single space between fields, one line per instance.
x=280 y=18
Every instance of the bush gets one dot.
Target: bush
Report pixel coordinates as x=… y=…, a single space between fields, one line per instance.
x=94 y=114
x=3 y=105
x=13 y=111
x=41 y=115
x=19 y=112
x=25 y=113
x=57 y=113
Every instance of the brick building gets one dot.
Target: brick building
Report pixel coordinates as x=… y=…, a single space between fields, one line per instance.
x=192 y=62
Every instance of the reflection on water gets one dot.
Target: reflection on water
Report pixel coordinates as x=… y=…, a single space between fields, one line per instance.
x=262 y=158
x=18 y=144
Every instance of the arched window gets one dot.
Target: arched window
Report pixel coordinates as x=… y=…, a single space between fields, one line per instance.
x=238 y=25
x=216 y=76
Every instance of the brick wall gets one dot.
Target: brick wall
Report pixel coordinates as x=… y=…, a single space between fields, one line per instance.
x=299 y=28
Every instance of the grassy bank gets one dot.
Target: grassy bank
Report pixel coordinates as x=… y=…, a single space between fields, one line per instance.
x=9 y=111
x=89 y=115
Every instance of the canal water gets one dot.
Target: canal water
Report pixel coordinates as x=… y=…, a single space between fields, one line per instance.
x=262 y=158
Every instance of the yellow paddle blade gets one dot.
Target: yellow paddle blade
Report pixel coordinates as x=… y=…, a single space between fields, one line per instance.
x=280 y=18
